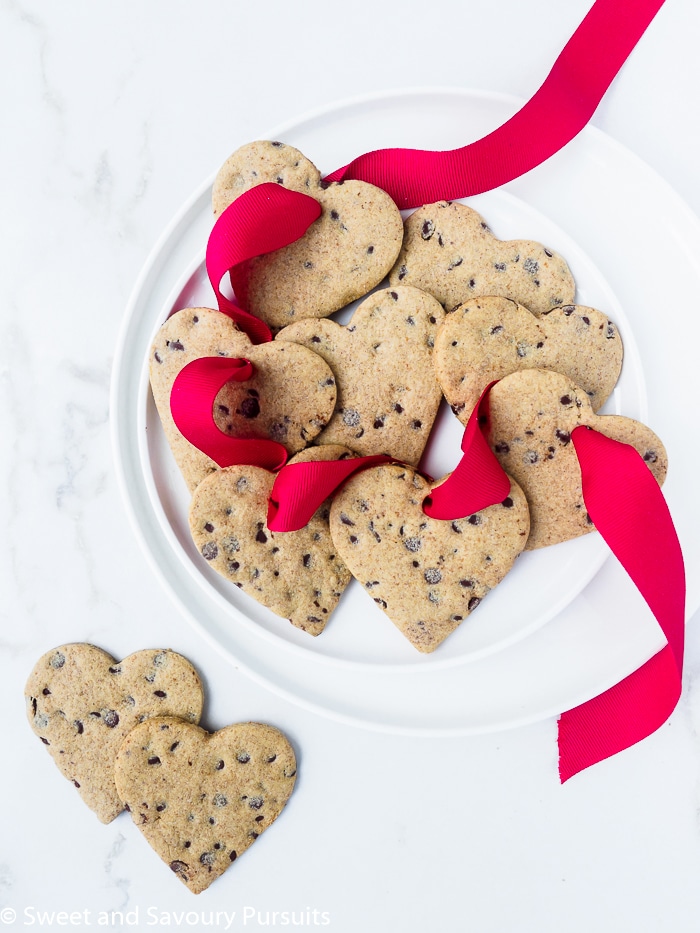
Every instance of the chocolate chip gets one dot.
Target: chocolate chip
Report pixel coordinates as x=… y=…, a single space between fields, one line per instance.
x=306 y=560
x=345 y=520
x=210 y=550
x=370 y=250
x=456 y=528
x=155 y=760
x=454 y=264
x=271 y=759
x=175 y=345
x=250 y=407
x=79 y=727
x=501 y=448
x=530 y=456
x=111 y=718
x=499 y=266
x=57 y=660
x=466 y=583
x=220 y=800
x=334 y=215
x=432 y=575
x=427 y=229
x=416 y=424
x=650 y=456
x=207 y=858
x=413 y=544
x=379 y=422
x=351 y=417
x=403 y=272
x=115 y=670
x=208 y=527
x=243 y=758
x=473 y=603
x=233 y=856
x=562 y=436
x=261 y=537
x=180 y=868
x=531 y=266
x=507 y=503
x=566 y=400
x=255 y=803
x=160 y=693
x=474 y=519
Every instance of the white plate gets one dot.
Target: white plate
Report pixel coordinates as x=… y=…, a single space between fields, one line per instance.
x=584 y=203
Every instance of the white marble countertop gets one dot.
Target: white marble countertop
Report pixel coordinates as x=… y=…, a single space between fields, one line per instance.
x=112 y=115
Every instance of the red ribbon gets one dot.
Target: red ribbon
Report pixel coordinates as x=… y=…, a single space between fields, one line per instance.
x=262 y=219
x=192 y=407
x=620 y=493
x=556 y=113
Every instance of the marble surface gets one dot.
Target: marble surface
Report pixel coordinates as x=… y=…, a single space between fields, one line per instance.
x=112 y=115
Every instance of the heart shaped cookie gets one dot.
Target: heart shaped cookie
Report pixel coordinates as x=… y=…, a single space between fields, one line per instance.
x=387 y=392
x=296 y=574
x=81 y=703
x=344 y=254
x=427 y=575
x=532 y=416
x=201 y=799
x=485 y=339
x=449 y=250
x=289 y=398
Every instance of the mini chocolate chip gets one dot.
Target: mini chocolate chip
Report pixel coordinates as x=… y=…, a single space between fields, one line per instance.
x=255 y=803
x=210 y=550
x=243 y=758
x=57 y=660
x=261 y=537
x=531 y=266
x=179 y=867
x=174 y=746
x=45 y=741
x=403 y=272
x=427 y=229
x=306 y=560
x=159 y=693
x=466 y=583
x=379 y=422
x=334 y=215
x=416 y=424
x=220 y=800
x=566 y=400
x=473 y=603
x=499 y=266
x=474 y=519
x=111 y=718
x=502 y=448
x=454 y=264
x=413 y=544
x=46 y=692
x=650 y=456
x=345 y=520
x=472 y=283
x=271 y=759
x=308 y=264
x=497 y=329
x=432 y=575
x=157 y=357
x=250 y=407
x=351 y=417
x=398 y=408
x=530 y=456
x=233 y=856
x=155 y=760
x=562 y=436
x=507 y=503
x=79 y=726
x=209 y=527
x=160 y=808
x=175 y=345
x=370 y=250
x=207 y=858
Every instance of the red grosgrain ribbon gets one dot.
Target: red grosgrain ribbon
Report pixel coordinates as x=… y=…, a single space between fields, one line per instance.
x=630 y=512
x=192 y=406
x=300 y=488
x=478 y=480
x=262 y=219
x=549 y=120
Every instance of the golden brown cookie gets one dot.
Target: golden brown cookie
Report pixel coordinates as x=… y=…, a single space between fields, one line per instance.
x=296 y=574
x=485 y=339
x=81 y=703
x=343 y=254
x=289 y=399
x=427 y=575
x=201 y=799
x=449 y=251
x=532 y=416
x=387 y=392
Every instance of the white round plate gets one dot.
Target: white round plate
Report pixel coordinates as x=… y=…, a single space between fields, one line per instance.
x=584 y=204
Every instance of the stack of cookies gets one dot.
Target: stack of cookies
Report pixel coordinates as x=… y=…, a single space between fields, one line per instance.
x=445 y=308
x=126 y=734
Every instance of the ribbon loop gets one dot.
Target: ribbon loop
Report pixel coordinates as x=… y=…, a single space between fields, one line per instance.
x=192 y=406
x=259 y=221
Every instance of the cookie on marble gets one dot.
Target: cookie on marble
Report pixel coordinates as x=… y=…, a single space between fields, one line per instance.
x=296 y=574
x=485 y=339
x=533 y=414
x=427 y=575
x=81 y=702
x=342 y=256
x=289 y=399
x=201 y=799
x=449 y=251
x=387 y=392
